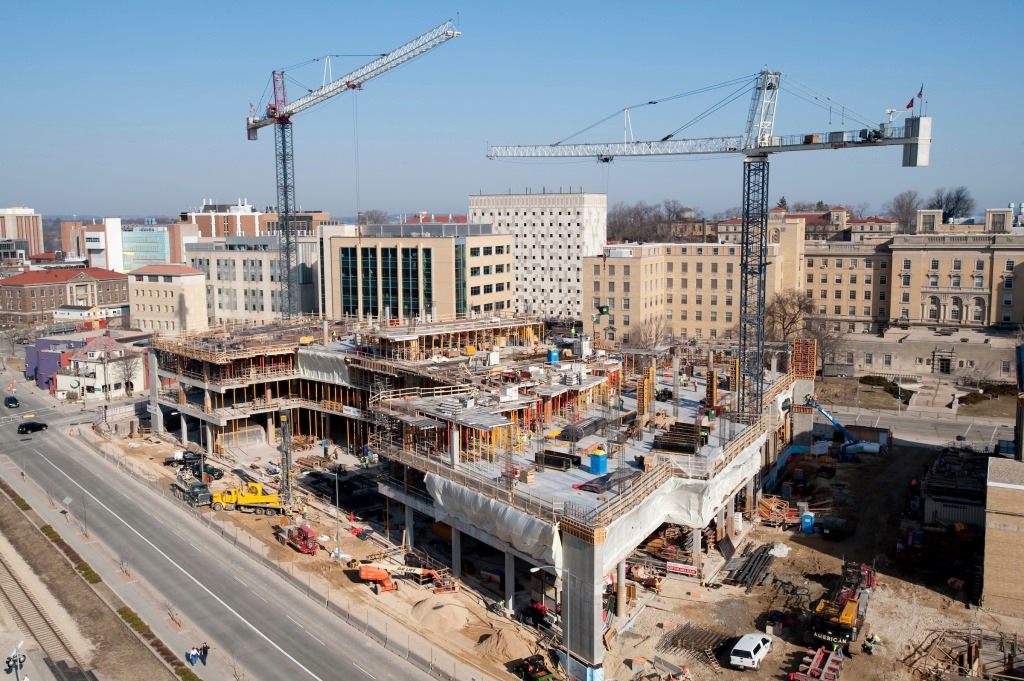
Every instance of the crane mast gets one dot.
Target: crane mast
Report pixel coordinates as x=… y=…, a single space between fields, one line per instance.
x=279 y=112
x=757 y=144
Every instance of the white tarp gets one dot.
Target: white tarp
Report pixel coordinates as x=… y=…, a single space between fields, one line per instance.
x=681 y=501
x=529 y=535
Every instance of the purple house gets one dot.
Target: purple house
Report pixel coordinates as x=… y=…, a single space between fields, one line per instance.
x=42 y=360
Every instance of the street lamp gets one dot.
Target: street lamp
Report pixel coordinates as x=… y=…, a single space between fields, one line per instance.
x=565 y=619
x=16 y=660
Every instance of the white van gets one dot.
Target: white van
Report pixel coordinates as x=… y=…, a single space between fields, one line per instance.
x=750 y=650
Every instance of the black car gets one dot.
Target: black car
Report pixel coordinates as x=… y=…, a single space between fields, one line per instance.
x=31 y=427
x=11 y=402
x=213 y=472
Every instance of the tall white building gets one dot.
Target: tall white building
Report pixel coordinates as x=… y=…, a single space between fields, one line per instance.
x=553 y=233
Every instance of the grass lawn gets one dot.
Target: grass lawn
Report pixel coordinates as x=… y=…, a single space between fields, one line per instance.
x=876 y=398
x=1004 y=406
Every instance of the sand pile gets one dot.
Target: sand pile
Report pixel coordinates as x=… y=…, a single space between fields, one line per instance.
x=504 y=645
x=439 y=615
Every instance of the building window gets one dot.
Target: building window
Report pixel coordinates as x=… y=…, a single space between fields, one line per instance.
x=837 y=309
x=1007 y=300
x=611 y=287
x=839 y=279
x=956 y=281
x=905 y=279
x=1008 y=282
x=887 y=360
x=611 y=270
x=979 y=265
x=868 y=358
x=933 y=280
x=474 y=252
x=625 y=303
x=979 y=281
x=810 y=262
x=905 y=297
x=906 y=264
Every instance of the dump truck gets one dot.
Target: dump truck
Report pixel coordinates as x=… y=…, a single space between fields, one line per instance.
x=380 y=577
x=301 y=538
x=248 y=499
x=838 y=617
x=191 y=490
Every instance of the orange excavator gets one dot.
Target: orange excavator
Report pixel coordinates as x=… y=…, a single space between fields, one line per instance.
x=380 y=577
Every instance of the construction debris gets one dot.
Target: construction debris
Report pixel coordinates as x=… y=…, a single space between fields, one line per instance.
x=823 y=664
x=967 y=654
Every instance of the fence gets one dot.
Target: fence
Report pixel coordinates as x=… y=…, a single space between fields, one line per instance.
x=434 y=661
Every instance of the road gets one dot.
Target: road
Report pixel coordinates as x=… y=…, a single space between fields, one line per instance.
x=927 y=428
x=244 y=609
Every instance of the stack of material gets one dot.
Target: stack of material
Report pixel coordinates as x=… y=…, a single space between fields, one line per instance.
x=820 y=665
x=776 y=511
x=695 y=641
x=752 y=567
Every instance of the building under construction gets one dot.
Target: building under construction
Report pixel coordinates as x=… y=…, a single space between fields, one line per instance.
x=554 y=454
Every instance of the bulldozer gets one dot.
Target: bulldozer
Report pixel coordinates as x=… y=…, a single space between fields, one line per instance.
x=380 y=577
x=301 y=538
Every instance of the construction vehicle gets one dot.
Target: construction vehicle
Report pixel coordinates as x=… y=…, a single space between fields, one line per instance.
x=380 y=576
x=190 y=489
x=279 y=113
x=839 y=616
x=851 y=445
x=532 y=668
x=756 y=145
x=301 y=538
x=250 y=499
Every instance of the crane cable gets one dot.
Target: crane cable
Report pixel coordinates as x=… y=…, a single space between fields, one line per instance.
x=728 y=83
x=729 y=99
x=812 y=96
x=355 y=158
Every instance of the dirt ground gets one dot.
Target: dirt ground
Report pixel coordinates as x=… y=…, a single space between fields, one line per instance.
x=903 y=608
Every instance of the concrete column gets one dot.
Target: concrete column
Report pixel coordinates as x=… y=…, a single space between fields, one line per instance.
x=510 y=580
x=154 y=390
x=208 y=434
x=207 y=402
x=184 y=429
x=410 y=525
x=455 y=457
x=720 y=529
x=620 y=571
x=730 y=515
x=753 y=494
x=581 y=607
x=270 y=429
x=456 y=553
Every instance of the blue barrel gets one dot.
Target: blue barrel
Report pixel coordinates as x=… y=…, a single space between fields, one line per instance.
x=599 y=463
x=807 y=523
x=553 y=356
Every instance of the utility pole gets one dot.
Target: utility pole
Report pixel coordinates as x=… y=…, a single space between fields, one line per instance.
x=286 y=457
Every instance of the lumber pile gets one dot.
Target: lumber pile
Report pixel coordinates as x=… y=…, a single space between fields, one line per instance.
x=777 y=512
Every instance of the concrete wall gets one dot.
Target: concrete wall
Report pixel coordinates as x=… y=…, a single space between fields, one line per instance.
x=1004 y=550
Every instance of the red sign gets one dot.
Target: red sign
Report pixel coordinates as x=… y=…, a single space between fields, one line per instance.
x=682 y=569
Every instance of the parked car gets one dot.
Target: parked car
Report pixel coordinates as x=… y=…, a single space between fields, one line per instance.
x=11 y=402
x=31 y=427
x=749 y=651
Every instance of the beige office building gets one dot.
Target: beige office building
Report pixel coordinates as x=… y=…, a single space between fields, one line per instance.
x=169 y=299
x=416 y=271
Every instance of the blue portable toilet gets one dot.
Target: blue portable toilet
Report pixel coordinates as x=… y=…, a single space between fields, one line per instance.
x=807 y=523
x=599 y=462
x=554 y=355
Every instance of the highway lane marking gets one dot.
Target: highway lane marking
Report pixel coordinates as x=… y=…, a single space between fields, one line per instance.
x=316 y=639
x=363 y=671
x=296 y=622
x=195 y=547
x=240 y=581
x=259 y=597
x=242 y=620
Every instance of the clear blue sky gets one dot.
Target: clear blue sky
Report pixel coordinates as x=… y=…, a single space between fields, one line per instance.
x=138 y=108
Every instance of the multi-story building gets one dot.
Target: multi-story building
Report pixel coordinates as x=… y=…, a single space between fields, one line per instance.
x=242 y=219
x=420 y=270
x=242 y=276
x=836 y=224
x=170 y=299
x=848 y=284
x=553 y=234
x=693 y=289
x=146 y=244
x=31 y=298
x=22 y=224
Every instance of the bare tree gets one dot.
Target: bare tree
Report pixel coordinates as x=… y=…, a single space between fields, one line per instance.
x=674 y=210
x=904 y=207
x=374 y=216
x=126 y=370
x=829 y=340
x=650 y=334
x=810 y=206
x=17 y=332
x=860 y=210
x=728 y=214
x=785 y=315
x=955 y=203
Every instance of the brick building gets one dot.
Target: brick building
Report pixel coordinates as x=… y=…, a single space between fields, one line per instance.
x=31 y=298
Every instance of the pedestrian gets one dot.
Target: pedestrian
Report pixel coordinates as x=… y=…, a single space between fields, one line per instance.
x=204 y=652
x=193 y=656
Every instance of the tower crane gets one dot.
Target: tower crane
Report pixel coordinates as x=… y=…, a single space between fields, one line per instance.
x=756 y=145
x=279 y=113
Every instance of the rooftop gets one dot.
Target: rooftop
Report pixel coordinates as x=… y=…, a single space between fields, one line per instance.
x=61 y=276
